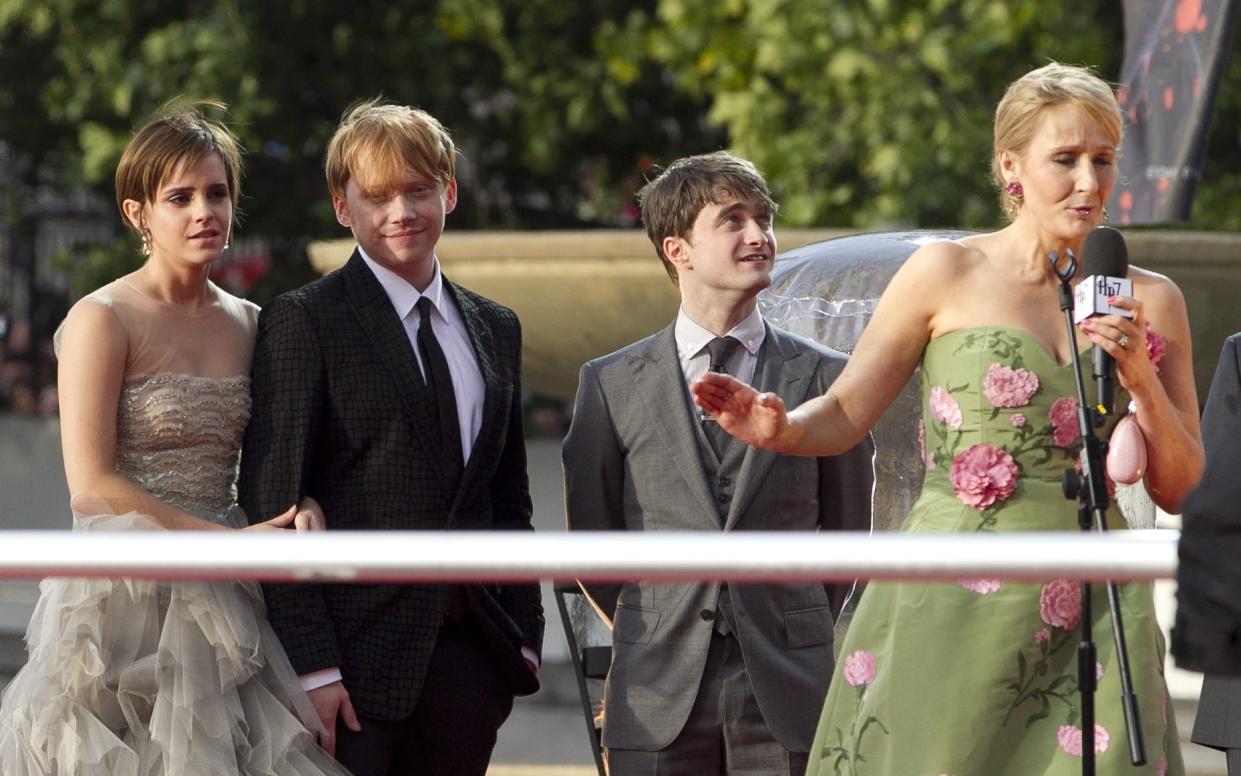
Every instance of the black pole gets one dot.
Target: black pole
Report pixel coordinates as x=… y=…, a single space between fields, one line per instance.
x=1090 y=489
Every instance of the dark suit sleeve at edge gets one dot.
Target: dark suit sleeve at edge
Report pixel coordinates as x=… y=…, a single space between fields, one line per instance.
x=594 y=477
x=510 y=497
x=277 y=460
x=846 y=495
x=1207 y=633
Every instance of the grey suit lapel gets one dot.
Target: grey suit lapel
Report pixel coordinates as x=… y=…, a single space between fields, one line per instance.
x=787 y=372
x=661 y=387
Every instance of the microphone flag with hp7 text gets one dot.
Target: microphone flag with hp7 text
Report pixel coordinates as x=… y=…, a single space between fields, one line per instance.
x=1174 y=56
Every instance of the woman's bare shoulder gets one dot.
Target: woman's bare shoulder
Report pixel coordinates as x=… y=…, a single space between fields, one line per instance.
x=944 y=256
x=1155 y=289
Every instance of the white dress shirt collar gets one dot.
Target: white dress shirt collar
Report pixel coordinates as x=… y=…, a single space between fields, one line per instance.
x=403 y=295
x=691 y=338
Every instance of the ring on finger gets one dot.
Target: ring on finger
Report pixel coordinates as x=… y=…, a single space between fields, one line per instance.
x=1123 y=341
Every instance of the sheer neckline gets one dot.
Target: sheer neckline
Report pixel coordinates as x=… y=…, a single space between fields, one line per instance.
x=214 y=307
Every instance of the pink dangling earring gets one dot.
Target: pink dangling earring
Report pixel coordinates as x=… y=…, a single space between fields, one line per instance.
x=1016 y=197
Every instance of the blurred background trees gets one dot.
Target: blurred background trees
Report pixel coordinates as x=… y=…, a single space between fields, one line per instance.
x=868 y=113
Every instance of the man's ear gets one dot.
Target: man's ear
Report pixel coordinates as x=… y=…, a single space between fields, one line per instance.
x=677 y=251
x=450 y=196
x=342 y=211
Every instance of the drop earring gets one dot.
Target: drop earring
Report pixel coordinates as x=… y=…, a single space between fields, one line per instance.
x=146 y=243
x=1014 y=199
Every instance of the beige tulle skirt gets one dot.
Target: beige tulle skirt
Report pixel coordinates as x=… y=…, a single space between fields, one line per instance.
x=140 y=678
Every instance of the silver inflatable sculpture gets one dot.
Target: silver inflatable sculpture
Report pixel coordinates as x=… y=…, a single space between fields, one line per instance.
x=827 y=292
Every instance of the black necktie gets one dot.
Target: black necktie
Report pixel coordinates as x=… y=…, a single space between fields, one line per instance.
x=719 y=349
x=439 y=383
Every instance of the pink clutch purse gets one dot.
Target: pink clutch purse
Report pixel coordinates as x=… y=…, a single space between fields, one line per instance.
x=1126 y=451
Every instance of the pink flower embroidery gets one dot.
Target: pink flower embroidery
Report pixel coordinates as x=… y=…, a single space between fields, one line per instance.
x=1161 y=767
x=1156 y=346
x=1070 y=739
x=980 y=586
x=1007 y=387
x=1098 y=672
x=983 y=475
x=1063 y=416
x=1060 y=604
x=860 y=668
x=927 y=457
x=1018 y=421
x=944 y=408
x=1042 y=635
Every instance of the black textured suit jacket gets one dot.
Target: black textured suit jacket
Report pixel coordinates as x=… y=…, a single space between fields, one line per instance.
x=340 y=413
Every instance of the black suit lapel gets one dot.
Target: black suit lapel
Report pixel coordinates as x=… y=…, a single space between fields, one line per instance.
x=386 y=334
x=482 y=341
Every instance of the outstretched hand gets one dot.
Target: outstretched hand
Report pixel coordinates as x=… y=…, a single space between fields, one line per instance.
x=758 y=419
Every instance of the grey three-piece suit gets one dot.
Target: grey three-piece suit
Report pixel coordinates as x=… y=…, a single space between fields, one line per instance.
x=636 y=459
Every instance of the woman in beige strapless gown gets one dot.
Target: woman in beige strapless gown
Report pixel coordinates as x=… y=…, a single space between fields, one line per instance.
x=142 y=678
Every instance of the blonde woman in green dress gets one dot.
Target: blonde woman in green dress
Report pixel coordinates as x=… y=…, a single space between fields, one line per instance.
x=979 y=676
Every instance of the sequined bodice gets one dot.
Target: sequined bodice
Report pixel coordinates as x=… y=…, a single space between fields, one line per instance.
x=179 y=437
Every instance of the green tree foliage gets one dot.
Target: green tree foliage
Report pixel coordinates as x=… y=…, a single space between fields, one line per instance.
x=873 y=112
x=1215 y=205
x=77 y=77
x=862 y=113
x=551 y=134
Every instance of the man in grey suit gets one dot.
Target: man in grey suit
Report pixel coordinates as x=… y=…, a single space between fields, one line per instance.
x=1207 y=636
x=709 y=677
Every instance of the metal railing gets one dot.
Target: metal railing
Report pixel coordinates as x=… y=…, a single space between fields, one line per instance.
x=425 y=556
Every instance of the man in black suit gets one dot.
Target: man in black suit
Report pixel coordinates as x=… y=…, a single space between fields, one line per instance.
x=393 y=397
x=1207 y=635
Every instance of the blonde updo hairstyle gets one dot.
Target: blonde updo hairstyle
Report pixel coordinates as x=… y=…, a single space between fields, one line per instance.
x=1018 y=116
x=179 y=137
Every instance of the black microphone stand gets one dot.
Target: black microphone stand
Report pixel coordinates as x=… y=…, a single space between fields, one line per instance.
x=1089 y=487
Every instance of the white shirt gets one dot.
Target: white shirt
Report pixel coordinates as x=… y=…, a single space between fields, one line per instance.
x=467 y=381
x=692 y=342
x=454 y=339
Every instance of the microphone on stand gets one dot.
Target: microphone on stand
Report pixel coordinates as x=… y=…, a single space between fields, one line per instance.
x=1105 y=264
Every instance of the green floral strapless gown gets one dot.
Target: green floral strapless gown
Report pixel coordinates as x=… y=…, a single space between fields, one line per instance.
x=979 y=677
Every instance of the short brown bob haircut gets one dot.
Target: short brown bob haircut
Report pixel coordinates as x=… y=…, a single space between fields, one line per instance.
x=377 y=144
x=671 y=203
x=178 y=137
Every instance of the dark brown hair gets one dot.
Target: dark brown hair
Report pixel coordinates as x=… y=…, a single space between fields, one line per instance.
x=177 y=138
x=672 y=201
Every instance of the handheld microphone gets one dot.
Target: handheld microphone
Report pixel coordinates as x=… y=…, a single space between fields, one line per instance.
x=1105 y=262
